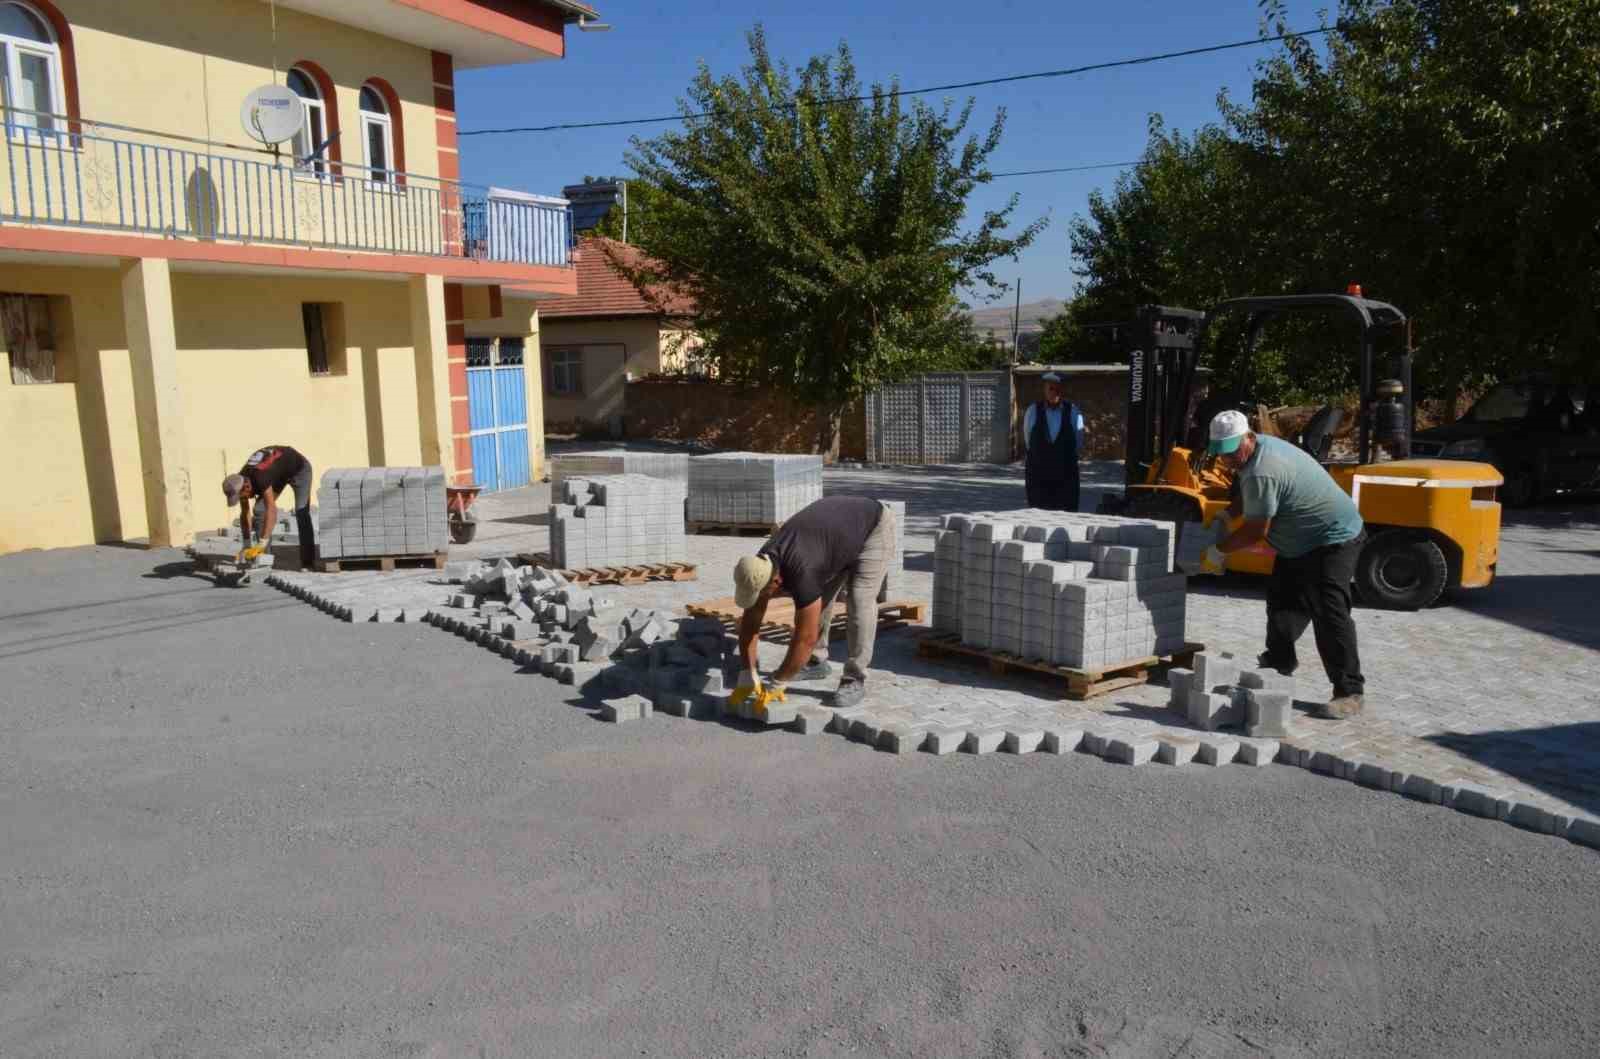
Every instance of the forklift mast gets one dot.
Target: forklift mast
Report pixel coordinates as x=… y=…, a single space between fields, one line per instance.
x=1163 y=355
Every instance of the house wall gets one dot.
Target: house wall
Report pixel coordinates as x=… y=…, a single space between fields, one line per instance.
x=185 y=68
x=74 y=473
x=612 y=348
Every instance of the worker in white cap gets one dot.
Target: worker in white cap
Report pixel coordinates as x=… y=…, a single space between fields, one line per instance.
x=839 y=544
x=1289 y=501
x=263 y=477
x=1052 y=431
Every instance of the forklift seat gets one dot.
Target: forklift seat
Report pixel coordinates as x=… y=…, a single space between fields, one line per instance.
x=1317 y=438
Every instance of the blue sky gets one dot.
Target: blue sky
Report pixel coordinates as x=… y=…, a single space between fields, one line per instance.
x=641 y=67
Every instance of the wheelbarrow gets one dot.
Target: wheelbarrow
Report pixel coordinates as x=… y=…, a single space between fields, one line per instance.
x=463 y=520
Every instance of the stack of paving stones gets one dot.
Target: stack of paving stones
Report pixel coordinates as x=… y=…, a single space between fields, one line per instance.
x=1219 y=693
x=894 y=585
x=617 y=520
x=366 y=512
x=752 y=488
x=1076 y=590
x=670 y=467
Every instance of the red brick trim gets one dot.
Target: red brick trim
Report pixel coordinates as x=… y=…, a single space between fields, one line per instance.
x=69 y=59
x=397 y=125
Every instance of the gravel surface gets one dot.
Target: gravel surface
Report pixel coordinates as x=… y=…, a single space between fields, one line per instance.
x=230 y=825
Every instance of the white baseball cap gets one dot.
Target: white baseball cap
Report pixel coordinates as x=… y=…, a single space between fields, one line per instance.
x=1050 y=376
x=1227 y=431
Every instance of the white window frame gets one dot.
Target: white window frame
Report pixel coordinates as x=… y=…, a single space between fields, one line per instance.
x=321 y=168
x=383 y=175
x=19 y=124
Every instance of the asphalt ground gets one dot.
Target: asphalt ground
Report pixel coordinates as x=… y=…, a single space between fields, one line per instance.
x=230 y=825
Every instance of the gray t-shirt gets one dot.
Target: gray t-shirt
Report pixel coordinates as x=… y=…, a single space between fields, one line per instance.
x=1308 y=510
x=822 y=541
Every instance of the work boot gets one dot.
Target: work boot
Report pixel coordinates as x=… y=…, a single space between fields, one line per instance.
x=1266 y=661
x=1340 y=707
x=816 y=669
x=851 y=692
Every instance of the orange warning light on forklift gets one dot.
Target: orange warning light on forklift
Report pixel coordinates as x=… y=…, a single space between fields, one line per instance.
x=1354 y=290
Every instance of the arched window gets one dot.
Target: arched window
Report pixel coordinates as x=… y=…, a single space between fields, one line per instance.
x=32 y=68
x=314 y=131
x=377 y=132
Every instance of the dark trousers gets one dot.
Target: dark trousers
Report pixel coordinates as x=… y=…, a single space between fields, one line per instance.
x=1315 y=588
x=1053 y=496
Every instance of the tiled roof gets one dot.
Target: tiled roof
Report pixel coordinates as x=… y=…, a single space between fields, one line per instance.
x=602 y=290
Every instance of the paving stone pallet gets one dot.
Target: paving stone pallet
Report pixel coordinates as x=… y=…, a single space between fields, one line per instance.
x=1081 y=683
x=432 y=560
x=616 y=575
x=778 y=625
x=734 y=529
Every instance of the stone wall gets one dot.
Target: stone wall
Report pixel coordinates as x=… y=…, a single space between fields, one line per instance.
x=729 y=417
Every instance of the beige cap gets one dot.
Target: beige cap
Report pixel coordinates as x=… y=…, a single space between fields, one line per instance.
x=750 y=575
x=231 y=486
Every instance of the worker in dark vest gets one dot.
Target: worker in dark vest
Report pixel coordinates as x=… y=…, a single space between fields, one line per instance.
x=1052 y=431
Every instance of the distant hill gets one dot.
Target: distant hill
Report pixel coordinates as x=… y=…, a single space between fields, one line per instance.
x=1031 y=318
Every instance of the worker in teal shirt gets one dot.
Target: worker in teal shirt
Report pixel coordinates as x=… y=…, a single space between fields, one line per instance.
x=1050 y=470
x=1291 y=502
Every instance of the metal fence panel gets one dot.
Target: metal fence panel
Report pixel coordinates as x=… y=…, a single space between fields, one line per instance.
x=942 y=417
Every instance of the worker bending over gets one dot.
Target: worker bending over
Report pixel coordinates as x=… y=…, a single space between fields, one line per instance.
x=262 y=478
x=1052 y=431
x=1289 y=501
x=837 y=544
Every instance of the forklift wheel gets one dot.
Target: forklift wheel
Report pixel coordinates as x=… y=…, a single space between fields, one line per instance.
x=1399 y=570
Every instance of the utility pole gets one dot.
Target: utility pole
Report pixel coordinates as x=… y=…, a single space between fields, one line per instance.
x=1016 y=318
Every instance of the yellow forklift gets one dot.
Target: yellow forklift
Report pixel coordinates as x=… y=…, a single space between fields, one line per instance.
x=1432 y=525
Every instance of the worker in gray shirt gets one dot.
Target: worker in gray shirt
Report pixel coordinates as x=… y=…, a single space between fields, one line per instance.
x=1291 y=502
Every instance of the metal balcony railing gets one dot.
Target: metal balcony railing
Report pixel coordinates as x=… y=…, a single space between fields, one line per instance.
x=86 y=174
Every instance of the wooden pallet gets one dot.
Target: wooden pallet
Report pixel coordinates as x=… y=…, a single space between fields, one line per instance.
x=779 y=624
x=735 y=529
x=617 y=575
x=386 y=563
x=1081 y=683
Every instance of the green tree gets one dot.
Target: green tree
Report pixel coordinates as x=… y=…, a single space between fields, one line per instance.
x=819 y=227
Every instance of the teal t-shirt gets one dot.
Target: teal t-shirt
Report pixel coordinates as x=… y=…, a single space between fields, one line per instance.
x=1281 y=482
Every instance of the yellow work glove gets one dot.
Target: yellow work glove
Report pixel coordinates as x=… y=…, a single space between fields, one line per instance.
x=749 y=685
x=1214 y=561
x=773 y=692
x=252 y=553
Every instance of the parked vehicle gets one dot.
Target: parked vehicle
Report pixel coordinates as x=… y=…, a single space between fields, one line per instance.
x=1541 y=434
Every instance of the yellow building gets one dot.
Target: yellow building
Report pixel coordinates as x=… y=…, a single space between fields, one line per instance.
x=174 y=295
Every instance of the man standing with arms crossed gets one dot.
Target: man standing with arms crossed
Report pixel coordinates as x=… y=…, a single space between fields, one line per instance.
x=263 y=478
x=1289 y=501
x=839 y=544
x=1052 y=432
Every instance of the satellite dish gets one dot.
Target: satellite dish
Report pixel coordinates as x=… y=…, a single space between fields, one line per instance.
x=272 y=114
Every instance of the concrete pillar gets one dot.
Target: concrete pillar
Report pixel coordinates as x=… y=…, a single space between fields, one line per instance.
x=533 y=375
x=158 y=401
x=431 y=349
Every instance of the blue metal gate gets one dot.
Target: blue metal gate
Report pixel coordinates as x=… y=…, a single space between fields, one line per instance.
x=497 y=413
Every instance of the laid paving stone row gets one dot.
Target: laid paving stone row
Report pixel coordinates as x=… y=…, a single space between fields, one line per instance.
x=1499 y=692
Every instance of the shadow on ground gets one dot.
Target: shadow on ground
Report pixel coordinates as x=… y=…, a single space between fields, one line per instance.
x=1558 y=760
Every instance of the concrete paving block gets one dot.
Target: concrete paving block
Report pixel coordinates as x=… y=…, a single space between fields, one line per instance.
x=1093 y=743
x=1178 y=682
x=1175 y=750
x=1132 y=751
x=387 y=615
x=1061 y=740
x=1257 y=752
x=776 y=714
x=984 y=740
x=632 y=708
x=1217 y=751
x=1209 y=710
x=942 y=741
x=901 y=739
x=563 y=672
x=1215 y=668
x=865 y=729
x=1324 y=762
x=1371 y=774
x=672 y=703
x=1531 y=817
x=1268 y=712
x=812 y=720
x=1481 y=801
x=1585 y=832
x=1423 y=789
x=1022 y=740
x=843 y=719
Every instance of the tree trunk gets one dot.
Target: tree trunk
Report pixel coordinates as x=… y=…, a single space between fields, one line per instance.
x=830 y=422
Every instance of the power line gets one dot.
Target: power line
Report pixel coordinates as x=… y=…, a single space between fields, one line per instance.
x=1063 y=169
x=1068 y=72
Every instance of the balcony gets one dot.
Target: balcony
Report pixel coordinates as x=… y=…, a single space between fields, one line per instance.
x=83 y=174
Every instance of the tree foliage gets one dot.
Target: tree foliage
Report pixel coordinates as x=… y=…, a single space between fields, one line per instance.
x=1443 y=153
x=819 y=227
